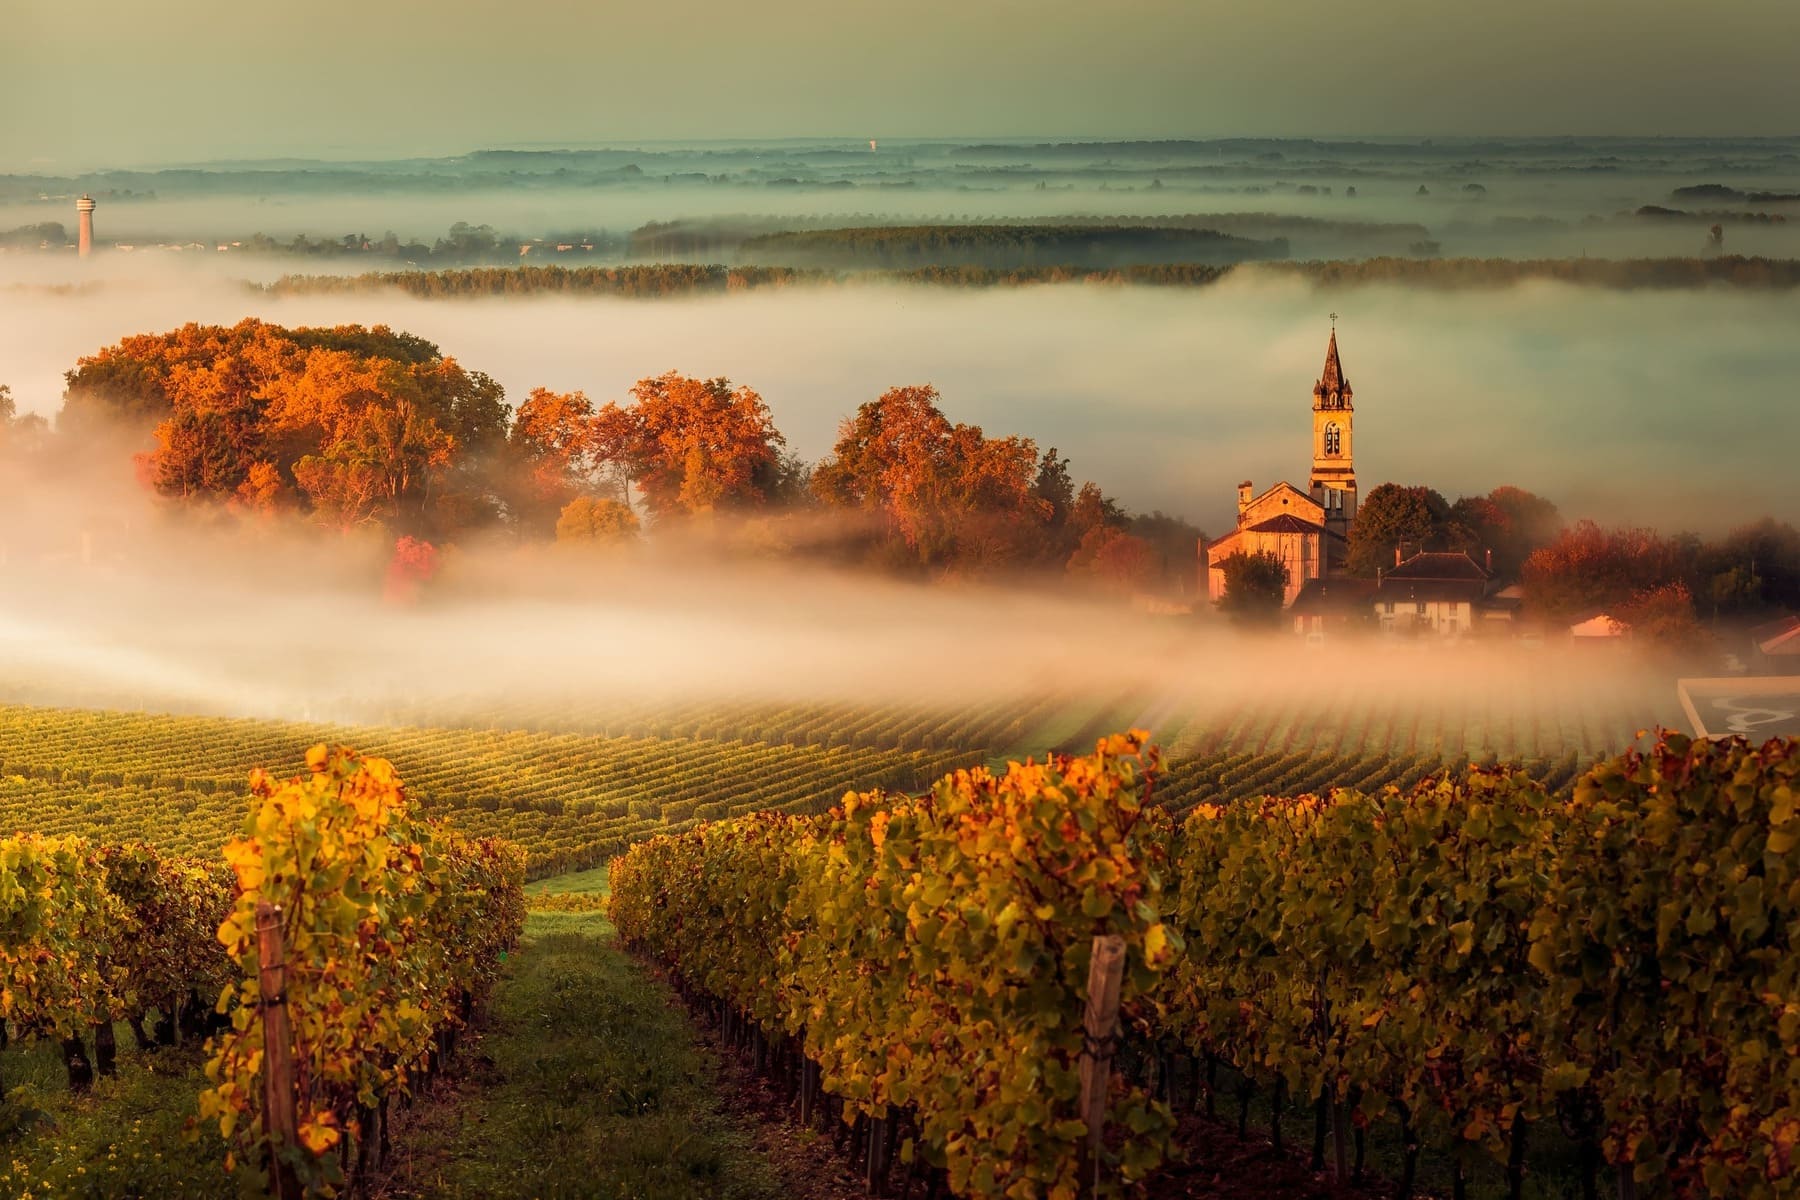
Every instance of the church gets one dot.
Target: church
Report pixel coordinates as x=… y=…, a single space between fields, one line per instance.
x=1307 y=530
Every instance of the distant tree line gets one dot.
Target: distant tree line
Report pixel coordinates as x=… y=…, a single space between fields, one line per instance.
x=462 y=243
x=718 y=238
x=1723 y=192
x=1459 y=273
x=686 y=279
x=1006 y=247
x=44 y=233
x=1658 y=213
x=683 y=279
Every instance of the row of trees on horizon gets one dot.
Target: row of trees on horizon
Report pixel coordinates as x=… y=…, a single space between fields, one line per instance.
x=675 y=279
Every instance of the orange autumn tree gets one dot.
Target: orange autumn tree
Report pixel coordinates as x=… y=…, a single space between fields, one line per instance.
x=947 y=493
x=349 y=425
x=1588 y=567
x=1114 y=559
x=692 y=445
x=553 y=445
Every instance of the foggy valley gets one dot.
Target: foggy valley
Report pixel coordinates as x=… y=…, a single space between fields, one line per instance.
x=1165 y=396
x=679 y=602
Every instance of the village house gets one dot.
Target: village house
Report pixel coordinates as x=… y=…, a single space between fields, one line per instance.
x=1775 y=647
x=1432 y=592
x=1444 y=594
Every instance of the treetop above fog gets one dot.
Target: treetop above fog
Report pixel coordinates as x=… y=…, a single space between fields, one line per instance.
x=351 y=426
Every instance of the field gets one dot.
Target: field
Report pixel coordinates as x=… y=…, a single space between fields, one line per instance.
x=574 y=784
x=572 y=800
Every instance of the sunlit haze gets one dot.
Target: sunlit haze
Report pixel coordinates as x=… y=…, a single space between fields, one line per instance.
x=93 y=85
x=960 y=599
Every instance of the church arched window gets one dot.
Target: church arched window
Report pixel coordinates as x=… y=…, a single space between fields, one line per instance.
x=1333 y=439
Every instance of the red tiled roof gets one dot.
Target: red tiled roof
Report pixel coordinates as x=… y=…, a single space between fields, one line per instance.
x=1456 y=591
x=1778 y=637
x=1285 y=523
x=1329 y=597
x=1440 y=566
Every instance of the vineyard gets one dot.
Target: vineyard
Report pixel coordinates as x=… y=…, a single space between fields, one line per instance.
x=833 y=939
x=574 y=784
x=329 y=956
x=571 y=800
x=1474 y=958
x=989 y=726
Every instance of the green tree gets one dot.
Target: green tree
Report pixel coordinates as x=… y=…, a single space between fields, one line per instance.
x=1255 y=589
x=1753 y=567
x=1055 y=486
x=1174 y=543
x=1511 y=522
x=19 y=435
x=1391 y=515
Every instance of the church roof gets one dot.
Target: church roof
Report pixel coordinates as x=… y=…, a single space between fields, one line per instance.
x=1286 y=523
x=1333 y=389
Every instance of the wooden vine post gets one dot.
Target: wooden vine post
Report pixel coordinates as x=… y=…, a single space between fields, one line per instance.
x=278 y=1048
x=1340 y=1138
x=1100 y=1024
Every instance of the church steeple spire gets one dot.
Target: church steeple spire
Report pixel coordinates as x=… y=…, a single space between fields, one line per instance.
x=1333 y=388
x=1333 y=483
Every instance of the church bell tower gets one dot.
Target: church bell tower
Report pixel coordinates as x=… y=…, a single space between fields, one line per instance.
x=1333 y=483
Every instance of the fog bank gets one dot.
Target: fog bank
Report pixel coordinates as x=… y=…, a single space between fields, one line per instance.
x=1660 y=408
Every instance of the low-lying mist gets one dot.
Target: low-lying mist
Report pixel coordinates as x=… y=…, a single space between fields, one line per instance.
x=1515 y=219
x=265 y=621
x=1662 y=408
x=1658 y=408
x=1519 y=198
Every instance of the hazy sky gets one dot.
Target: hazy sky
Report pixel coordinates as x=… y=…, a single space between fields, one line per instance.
x=106 y=82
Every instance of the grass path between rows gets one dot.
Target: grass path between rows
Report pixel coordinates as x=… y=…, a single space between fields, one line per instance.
x=586 y=1081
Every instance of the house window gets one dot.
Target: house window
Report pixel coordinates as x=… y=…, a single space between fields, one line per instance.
x=1333 y=439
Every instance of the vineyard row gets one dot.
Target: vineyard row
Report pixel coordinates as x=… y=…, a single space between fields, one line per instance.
x=1474 y=956
x=381 y=930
